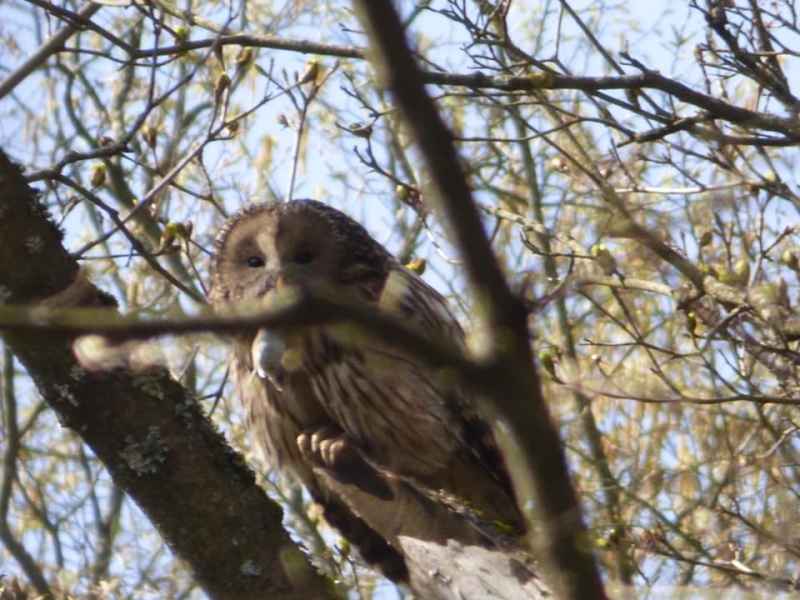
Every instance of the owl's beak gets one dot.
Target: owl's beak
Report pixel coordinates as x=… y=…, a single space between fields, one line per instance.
x=289 y=277
x=275 y=286
x=266 y=285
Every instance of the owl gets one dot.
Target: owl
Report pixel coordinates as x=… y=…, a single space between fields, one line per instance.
x=325 y=386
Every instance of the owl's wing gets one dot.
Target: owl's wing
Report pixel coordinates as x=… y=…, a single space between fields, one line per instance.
x=404 y=415
x=424 y=309
x=421 y=307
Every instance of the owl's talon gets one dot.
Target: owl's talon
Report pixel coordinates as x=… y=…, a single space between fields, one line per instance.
x=326 y=446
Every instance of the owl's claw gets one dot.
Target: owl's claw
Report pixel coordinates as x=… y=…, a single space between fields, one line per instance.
x=326 y=446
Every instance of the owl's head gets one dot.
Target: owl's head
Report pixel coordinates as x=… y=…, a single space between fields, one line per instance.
x=301 y=242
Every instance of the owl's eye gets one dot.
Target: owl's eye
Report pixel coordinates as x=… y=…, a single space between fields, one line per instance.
x=255 y=262
x=303 y=257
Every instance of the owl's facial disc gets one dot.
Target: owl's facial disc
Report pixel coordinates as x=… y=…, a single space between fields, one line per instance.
x=284 y=257
x=295 y=244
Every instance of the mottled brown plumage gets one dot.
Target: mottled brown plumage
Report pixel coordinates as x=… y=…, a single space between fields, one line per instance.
x=354 y=390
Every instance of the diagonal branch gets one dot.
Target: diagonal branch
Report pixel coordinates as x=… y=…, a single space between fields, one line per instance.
x=52 y=46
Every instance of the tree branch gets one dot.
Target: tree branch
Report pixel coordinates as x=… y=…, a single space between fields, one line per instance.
x=12 y=445
x=714 y=108
x=52 y=46
x=450 y=554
